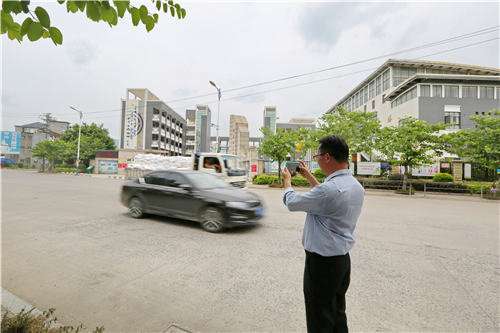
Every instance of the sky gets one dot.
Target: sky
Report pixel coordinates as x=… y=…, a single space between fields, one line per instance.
x=234 y=44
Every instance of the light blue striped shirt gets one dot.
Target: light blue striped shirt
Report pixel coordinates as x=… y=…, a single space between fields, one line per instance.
x=332 y=208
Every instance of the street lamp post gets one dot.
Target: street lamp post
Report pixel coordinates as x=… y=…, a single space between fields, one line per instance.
x=218 y=111
x=79 y=134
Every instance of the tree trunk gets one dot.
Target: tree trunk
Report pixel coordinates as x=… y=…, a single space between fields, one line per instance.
x=405 y=177
x=279 y=172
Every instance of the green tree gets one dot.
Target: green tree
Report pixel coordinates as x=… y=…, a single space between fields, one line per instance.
x=38 y=25
x=359 y=129
x=52 y=150
x=411 y=144
x=93 y=137
x=481 y=145
x=278 y=146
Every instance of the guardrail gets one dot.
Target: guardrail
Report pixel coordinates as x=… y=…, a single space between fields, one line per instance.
x=422 y=186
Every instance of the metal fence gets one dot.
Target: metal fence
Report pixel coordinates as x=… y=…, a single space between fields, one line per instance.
x=423 y=186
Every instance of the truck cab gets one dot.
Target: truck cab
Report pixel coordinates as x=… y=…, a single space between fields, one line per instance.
x=230 y=168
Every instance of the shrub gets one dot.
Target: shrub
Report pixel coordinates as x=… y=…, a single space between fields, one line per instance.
x=71 y=165
x=81 y=166
x=26 y=321
x=300 y=182
x=443 y=178
x=20 y=165
x=64 y=165
x=396 y=176
x=319 y=174
x=265 y=180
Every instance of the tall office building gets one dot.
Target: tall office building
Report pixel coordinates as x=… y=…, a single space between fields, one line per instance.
x=238 y=136
x=270 y=118
x=149 y=124
x=198 y=130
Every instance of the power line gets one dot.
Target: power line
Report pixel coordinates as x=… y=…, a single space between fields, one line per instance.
x=457 y=38
x=449 y=40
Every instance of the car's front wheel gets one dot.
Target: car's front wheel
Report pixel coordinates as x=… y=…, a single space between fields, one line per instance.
x=212 y=219
x=136 y=208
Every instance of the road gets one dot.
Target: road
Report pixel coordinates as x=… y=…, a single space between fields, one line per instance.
x=419 y=264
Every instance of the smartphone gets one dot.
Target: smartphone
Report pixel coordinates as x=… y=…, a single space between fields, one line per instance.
x=293 y=166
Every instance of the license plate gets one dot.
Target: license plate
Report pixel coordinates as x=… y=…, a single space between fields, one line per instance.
x=259 y=212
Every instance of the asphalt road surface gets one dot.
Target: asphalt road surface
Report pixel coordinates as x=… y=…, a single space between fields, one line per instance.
x=419 y=264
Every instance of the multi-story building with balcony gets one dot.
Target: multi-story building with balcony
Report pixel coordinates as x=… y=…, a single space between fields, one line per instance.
x=149 y=125
x=198 y=130
x=426 y=90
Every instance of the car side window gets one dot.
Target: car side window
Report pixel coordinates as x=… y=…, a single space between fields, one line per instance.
x=176 y=180
x=157 y=179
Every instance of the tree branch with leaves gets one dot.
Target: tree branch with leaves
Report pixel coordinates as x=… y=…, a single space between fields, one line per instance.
x=412 y=144
x=38 y=24
x=278 y=146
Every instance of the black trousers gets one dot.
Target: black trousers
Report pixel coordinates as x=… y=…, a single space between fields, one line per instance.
x=326 y=280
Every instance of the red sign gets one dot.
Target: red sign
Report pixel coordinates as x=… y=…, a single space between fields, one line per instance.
x=254 y=167
x=122 y=165
x=108 y=154
x=445 y=165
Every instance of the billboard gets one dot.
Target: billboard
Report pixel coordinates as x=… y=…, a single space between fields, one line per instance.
x=108 y=167
x=11 y=142
x=425 y=170
x=133 y=125
x=369 y=168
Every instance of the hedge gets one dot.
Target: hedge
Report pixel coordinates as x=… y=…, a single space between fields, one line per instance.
x=65 y=170
x=268 y=179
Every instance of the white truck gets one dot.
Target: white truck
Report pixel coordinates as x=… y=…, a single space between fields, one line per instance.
x=230 y=168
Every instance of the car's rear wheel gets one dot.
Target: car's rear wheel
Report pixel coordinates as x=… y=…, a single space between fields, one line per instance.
x=212 y=219
x=136 y=208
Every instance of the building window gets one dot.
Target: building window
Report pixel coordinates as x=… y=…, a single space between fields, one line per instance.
x=486 y=92
x=365 y=108
x=409 y=95
x=23 y=136
x=383 y=98
x=373 y=104
x=452 y=117
x=378 y=83
x=386 y=78
x=469 y=92
x=361 y=98
x=498 y=92
x=425 y=91
x=365 y=93
x=372 y=89
x=401 y=74
x=437 y=91
x=451 y=91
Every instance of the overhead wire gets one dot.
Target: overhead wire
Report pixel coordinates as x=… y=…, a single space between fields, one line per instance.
x=445 y=41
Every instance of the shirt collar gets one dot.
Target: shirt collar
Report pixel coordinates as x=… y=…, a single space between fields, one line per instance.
x=341 y=172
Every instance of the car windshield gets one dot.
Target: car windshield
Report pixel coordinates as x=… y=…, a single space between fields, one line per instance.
x=233 y=162
x=203 y=180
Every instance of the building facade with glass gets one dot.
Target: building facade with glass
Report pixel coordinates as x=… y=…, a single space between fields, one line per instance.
x=427 y=90
x=198 y=130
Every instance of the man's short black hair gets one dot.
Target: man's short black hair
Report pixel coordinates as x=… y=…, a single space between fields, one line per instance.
x=335 y=146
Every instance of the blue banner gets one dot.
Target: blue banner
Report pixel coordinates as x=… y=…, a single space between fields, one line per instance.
x=11 y=142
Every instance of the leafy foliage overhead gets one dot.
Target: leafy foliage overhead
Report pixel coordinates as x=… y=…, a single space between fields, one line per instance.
x=38 y=25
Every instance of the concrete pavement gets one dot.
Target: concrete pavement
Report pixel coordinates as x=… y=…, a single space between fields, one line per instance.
x=418 y=265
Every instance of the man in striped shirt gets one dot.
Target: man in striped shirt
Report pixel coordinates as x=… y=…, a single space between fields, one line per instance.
x=332 y=208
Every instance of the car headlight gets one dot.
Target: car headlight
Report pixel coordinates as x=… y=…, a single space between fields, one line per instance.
x=237 y=205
